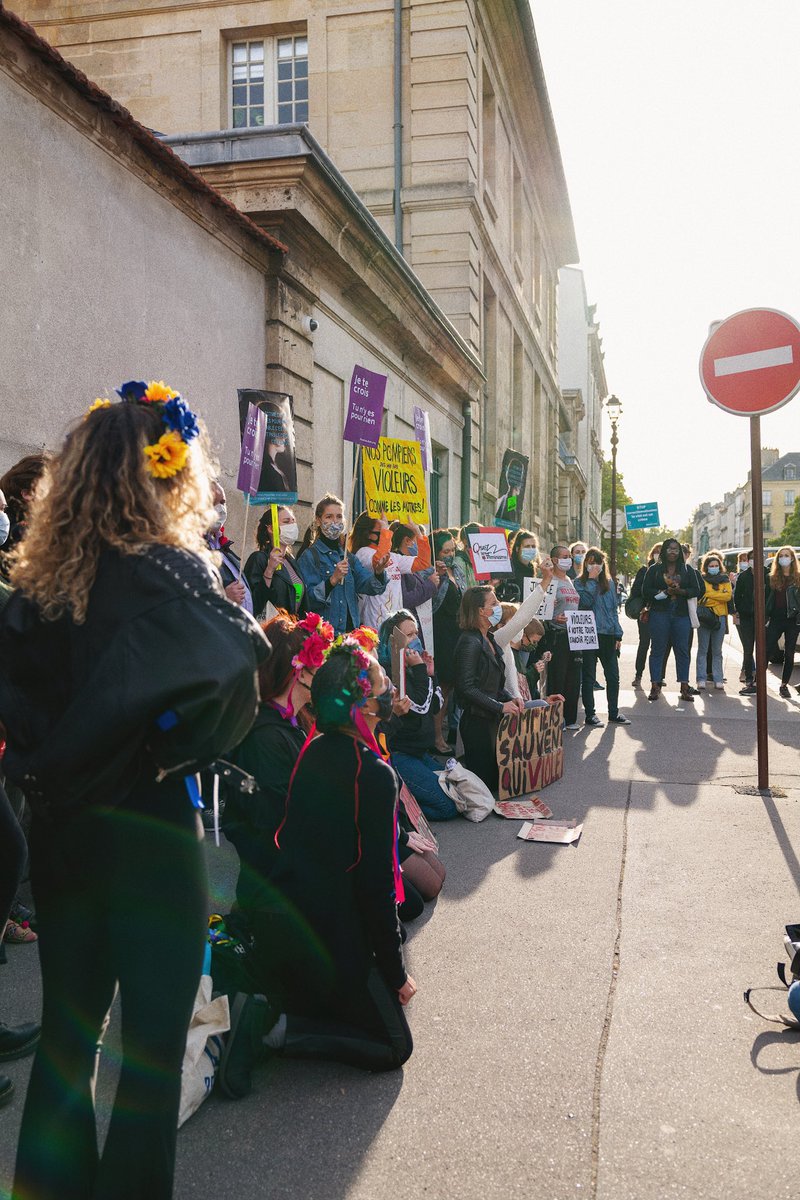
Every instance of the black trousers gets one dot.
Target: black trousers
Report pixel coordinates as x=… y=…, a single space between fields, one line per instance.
x=121 y=900
x=479 y=735
x=564 y=675
x=13 y=855
x=747 y=636
x=644 y=647
x=787 y=628
x=608 y=657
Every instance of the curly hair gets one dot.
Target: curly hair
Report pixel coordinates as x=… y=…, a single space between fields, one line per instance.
x=96 y=494
x=19 y=481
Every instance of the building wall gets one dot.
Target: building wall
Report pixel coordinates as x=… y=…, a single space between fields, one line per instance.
x=486 y=216
x=118 y=275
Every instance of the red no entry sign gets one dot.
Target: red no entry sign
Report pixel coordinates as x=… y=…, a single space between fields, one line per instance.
x=750 y=364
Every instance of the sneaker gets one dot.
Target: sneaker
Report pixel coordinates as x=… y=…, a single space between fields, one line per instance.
x=637 y=681
x=19 y=1040
x=574 y=725
x=693 y=691
x=598 y=687
x=619 y=719
x=720 y=687
x=784 y=691
x=749 y=689
x=594 y=721
x=244 y=1046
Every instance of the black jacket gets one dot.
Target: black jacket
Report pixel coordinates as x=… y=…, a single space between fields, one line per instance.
x=743 y=598
x=335 y=874
x=480 y=674
x=653 y=583
x=268 y=753
x=161 y=676
x=415 y=733
x=280 y=591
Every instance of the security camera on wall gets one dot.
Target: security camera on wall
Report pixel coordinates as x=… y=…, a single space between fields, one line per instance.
x=309 y=325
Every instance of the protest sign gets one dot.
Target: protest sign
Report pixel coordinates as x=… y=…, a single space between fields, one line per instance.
x=252 y=452
x=488 y=551
x=523 y=810
x=582 y=630
x=398 y=642
x=530 y=753
x=394 y=482
x=364 y=419
x=422 y=432
x=563 y=833
x=511 y=492
x=415 y=815
x=277 y=482
x=547 y=607
x=425 y=622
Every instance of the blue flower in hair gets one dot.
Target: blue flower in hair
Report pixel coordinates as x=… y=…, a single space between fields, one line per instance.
x=133 y=390
x=180 y=418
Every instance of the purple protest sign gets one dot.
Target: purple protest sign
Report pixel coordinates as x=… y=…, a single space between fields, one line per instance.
x=365 y=407
x=252 y=456
x=422 y=434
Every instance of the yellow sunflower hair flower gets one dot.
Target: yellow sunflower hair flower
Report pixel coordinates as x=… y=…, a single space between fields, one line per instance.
x=158 y=392
x=167 y=456
x=95 y=405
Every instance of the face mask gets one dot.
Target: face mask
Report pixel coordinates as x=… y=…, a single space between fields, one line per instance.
x=447 y=559
x=578 y=559
x=412 y=550
x=529 y=554
x=744 y=566
x=332 y=529
x=289 y=534
x=564 y=564
x=785 y=561
x=416 y=644
x=5 y=527
x=713 y=570
x=222 y=514
x=496 y=615
x=384 y=703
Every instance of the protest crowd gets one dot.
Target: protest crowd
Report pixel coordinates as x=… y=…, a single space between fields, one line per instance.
x=323 y=696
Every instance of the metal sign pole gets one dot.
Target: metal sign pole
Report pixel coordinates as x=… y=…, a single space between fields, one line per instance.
x=760 y=605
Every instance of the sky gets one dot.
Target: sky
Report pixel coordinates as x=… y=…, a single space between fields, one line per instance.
x=679 y=127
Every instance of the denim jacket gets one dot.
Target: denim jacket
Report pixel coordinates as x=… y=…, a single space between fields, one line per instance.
x=604 y=605
x=338 y=604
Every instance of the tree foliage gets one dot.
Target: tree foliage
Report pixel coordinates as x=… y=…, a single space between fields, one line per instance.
x=791 y=530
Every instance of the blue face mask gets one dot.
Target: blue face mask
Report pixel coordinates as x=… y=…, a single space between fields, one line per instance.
x=713 y=571
x=578 y=559
x=416 y=644
x=529 y=554
x=495 y=616
x=412 y=550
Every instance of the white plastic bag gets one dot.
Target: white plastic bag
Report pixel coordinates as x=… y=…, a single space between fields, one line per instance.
x=694 y=621
x=470 y=794
x=210 y=1019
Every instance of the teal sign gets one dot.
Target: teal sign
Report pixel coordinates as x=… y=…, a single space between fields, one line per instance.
x=642 y=516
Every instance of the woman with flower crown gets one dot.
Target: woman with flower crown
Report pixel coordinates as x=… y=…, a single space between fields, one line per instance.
x=336 y=984
x=123 y=671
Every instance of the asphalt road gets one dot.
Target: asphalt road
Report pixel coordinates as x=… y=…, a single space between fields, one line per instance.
x=579 y=1027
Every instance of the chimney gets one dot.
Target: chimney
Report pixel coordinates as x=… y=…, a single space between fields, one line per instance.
x=769 y=457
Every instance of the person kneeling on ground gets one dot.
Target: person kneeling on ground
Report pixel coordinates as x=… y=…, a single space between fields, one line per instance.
x=329 y=950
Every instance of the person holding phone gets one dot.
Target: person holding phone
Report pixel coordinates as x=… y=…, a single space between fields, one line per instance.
x=371 y=539
x=271 y=571
x=667 y=586
x=595 y=588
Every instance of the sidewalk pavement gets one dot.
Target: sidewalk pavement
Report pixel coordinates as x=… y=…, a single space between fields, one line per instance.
x=579 y=1028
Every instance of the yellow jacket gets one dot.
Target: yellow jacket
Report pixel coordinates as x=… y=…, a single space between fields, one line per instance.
x=717 y=596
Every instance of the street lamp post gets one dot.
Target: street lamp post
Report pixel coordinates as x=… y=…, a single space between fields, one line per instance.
x=614 y=410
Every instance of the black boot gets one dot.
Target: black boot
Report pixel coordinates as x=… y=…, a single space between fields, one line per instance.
x=19 y=1041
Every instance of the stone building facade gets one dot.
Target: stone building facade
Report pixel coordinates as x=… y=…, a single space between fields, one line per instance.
x=729 y=522
x=436 y=114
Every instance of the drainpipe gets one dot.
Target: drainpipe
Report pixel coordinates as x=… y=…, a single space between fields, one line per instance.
x=398 y=123
x=466 y=464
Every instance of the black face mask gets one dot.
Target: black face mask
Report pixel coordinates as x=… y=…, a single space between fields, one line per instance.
x=384 y=703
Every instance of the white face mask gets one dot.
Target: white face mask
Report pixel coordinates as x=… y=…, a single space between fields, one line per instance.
x=564 y=564
x=289 y=534
x=222 y=514
x=785 y=560
x=745 y=566
x=5 y=528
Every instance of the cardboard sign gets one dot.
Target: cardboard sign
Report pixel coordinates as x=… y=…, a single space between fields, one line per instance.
x=364 y=419
x=277 y=482
x=398 y=643
x=252 y=452
x=523 y=810
x=530 y=752
x=488 y=551
x=425 y=622
x=415 y=815
x=511 y=492
x=563 y=834
x=394 y=481
x=582 y=630
x=548 y=605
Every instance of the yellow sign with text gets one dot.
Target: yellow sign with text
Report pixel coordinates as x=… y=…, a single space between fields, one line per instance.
x=394 y=481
